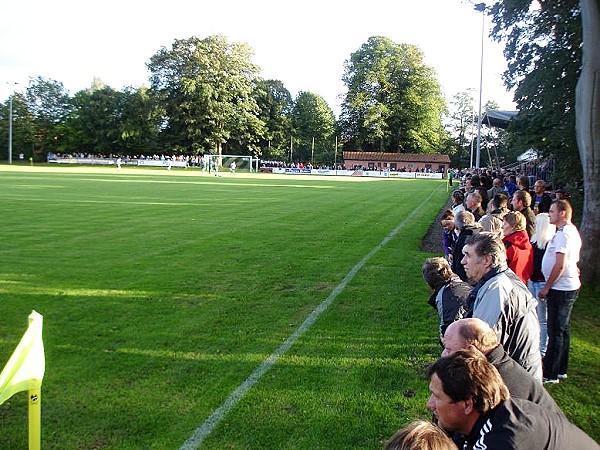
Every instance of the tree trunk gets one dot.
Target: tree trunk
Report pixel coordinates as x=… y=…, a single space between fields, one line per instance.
x=588 y=140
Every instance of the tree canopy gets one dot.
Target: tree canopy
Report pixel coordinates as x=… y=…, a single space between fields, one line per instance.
x=206 y=89
x=394 y=102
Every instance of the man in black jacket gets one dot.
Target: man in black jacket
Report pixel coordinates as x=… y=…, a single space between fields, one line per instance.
x=450 y=293
x=469 y=398
x=476 y=335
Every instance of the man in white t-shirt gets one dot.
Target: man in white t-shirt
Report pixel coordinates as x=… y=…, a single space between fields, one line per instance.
x=559 y=267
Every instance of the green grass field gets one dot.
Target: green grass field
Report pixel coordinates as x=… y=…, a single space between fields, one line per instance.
x=162 y=292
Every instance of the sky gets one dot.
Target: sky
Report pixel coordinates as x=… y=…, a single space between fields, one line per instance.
x=303 y=44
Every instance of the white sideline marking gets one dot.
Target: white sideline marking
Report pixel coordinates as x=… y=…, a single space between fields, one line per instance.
x=218 y=414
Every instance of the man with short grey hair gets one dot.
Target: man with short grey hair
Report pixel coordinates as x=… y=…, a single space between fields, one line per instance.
x=502 y=300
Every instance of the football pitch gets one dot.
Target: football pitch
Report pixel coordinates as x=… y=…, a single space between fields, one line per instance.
x=251 y=311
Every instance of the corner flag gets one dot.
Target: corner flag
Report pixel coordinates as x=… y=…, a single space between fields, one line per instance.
x=25 y=368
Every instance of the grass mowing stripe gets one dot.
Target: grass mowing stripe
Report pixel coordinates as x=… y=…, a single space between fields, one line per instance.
x=218 y=415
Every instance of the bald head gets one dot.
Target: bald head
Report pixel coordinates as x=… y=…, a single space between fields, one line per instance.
x=469 y=334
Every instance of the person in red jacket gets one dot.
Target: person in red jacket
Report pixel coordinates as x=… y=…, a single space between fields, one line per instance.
x=519 y=251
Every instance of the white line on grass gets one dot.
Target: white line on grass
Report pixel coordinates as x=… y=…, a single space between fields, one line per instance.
x=218 y=414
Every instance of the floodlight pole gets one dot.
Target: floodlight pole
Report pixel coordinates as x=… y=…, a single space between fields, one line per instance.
x=481 y=8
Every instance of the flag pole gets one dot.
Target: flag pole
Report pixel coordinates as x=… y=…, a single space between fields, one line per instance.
x=35 y=418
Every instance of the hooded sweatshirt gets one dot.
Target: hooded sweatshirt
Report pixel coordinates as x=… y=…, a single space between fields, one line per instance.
x=519 y=254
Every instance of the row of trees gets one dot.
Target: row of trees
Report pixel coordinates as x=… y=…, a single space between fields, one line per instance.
x=206 y=96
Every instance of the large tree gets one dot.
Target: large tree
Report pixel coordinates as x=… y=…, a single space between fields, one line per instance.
x=553 y=54
x=313 y=122
x=48 y=105
x=394 y=102
x=275 y=104
x=206 y=88
x=95 y=122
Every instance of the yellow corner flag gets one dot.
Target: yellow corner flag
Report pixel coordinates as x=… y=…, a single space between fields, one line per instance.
x=25 y=368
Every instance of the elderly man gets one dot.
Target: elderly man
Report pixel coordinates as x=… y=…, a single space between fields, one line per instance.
x=561 y=289
x=540 y=198
x=469 y=398
x=476 y=335
x=501 y=299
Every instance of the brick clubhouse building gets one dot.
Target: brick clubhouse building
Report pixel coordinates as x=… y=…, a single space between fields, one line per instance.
x=397 y=162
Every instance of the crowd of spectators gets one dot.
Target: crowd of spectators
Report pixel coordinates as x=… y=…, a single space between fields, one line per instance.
x=504 y=291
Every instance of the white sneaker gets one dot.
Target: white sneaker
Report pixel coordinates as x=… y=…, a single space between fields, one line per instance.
x=562 y=376
x=551 y=381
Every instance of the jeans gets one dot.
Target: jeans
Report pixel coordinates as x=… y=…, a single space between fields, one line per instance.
x=560 y=305
x=534 y=288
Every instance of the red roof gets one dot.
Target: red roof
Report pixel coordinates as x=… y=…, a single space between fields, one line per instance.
x=404 y=157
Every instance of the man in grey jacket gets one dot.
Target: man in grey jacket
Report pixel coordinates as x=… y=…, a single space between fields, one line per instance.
x=502 y=300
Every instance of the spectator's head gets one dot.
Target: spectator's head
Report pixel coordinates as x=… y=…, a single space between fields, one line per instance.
x=497 y=183
x=469 y=334
x=475 y=181
x=523 y=182
x=512 y=222
x=464 y=386
x=447 y=220
x=473 y=200
x=436 y=272
x=420 y=435
x=483 y=252
x=499 y=201
x=560 y=213
x=463 y=219
x=458 y=197
x=544 y=230
x=521 y=200
x=539 y=187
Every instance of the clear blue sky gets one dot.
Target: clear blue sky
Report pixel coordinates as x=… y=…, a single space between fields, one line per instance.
x=303 y=44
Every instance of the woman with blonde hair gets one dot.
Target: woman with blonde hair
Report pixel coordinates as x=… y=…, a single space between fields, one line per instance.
x=544 y=231
x=420 y=435
x=519 y=252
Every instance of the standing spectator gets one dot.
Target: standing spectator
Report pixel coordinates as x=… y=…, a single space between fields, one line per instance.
x=510 y=186
x=519 y=252
x=448 y=232
x=521 y=201
x=474 y=205
x=497 y=187
x=450 y=293
x=477 y=186
x=523 y=183
x=541 y=199
x=502 y=300
x=497 y=209
x=465 y=223
x=561 y=289
x=544 y=231
x=469 y=398
x=458 y=199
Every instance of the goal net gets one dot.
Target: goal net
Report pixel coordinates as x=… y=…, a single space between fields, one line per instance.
x=229 y=162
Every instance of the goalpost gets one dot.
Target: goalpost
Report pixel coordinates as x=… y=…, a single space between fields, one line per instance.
x=223 y=162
